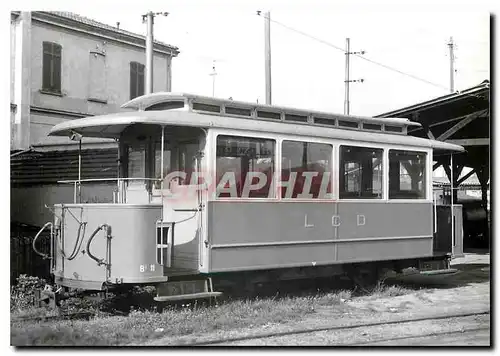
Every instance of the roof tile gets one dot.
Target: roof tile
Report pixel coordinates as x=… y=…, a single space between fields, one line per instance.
x=85 y=20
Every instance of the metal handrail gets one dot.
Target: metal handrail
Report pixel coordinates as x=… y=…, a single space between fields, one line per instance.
x=106 y=180
x=78 y=183
x=43 y=255
x=107 y=228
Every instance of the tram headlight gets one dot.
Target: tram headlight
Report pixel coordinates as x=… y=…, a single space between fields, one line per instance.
x=75 y=136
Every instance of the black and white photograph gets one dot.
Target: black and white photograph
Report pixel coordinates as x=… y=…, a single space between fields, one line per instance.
x=250 y=175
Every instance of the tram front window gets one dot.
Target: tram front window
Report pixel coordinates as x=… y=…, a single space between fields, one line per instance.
x=177 y=157
x=136 y=161
x=142 y=156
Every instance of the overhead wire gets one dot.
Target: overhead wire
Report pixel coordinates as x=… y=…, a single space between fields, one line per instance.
x=358 y=55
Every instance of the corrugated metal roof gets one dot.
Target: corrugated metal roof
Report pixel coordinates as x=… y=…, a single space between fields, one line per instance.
x=441 y=100
x=472 y=180
x=49 y=167
x=85 y=20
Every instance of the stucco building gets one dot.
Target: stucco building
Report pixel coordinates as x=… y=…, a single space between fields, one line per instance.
x=65 y=66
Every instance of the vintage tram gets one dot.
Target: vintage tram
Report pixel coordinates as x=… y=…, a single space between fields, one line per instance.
x=221 y=190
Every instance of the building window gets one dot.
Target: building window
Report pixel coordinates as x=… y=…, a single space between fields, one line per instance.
x=360 y=173
x=51 y=63
x=407 y=177
x=136 y=80
x=244 y=167
x=306 y=170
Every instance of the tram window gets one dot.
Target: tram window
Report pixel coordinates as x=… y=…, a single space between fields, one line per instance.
x=238 y=111
x=407 y=178
x=390 y=128
x=206 y=107
x=324 y=121
x=301 y=160
x=169 y=105
x=244 y=167
x=167 y=157
x=136 y=162
x=375 y=127
x=343 y=123
x=297 y=118
x=269 y=115
x=186 y=161
x=360 y=173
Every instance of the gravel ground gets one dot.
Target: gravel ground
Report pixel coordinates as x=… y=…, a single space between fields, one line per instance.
x=465 y=292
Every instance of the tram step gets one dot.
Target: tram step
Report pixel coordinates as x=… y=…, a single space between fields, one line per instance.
x=184 y=290
x=172 y=298
x=439 y=272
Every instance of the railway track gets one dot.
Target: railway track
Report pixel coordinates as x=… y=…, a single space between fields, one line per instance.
x=260 y=336
x=86 y=315
x=420 y=336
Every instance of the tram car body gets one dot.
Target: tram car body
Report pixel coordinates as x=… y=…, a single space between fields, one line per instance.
x=210 y=187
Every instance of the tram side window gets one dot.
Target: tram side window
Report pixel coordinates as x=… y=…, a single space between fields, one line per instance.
x=360 y=173
x=306 y=170
x=244 y=167
x=407 y=178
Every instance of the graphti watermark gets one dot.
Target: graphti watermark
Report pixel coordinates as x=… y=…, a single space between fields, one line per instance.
x=251 y=184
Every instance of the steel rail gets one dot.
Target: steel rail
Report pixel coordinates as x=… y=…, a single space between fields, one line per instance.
x=65 y=316
x=331 y=328
x=373 y=342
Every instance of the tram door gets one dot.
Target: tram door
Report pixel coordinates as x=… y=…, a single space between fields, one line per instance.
x=183 y=199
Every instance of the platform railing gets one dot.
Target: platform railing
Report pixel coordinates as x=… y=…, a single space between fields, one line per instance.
x=119 y=196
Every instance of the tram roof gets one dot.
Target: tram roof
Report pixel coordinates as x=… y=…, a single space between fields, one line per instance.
x=147 y=101
x=111 y=126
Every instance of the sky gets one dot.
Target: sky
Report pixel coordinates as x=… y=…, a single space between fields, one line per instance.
x=308 y=72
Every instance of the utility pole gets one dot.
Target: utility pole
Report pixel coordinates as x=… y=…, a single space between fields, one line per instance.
x=347 y=80
x=148 y=79
x=213 y=75
x=452 y=62
x=267 y=37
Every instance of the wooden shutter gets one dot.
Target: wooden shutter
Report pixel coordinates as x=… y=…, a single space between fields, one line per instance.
x=46 y=64
x=136 y=79
x=140 y=79
x=133 y=79
x=56 y=67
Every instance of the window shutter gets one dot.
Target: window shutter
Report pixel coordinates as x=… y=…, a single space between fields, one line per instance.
x=132 y=79
x=46 y=71
x=46 y=64
x=140 y=78
x=57 y=73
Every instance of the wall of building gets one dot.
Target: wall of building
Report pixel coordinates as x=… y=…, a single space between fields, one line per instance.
x=77 y=48
x=86 y=89
x=38 y=111
x=20 y=70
